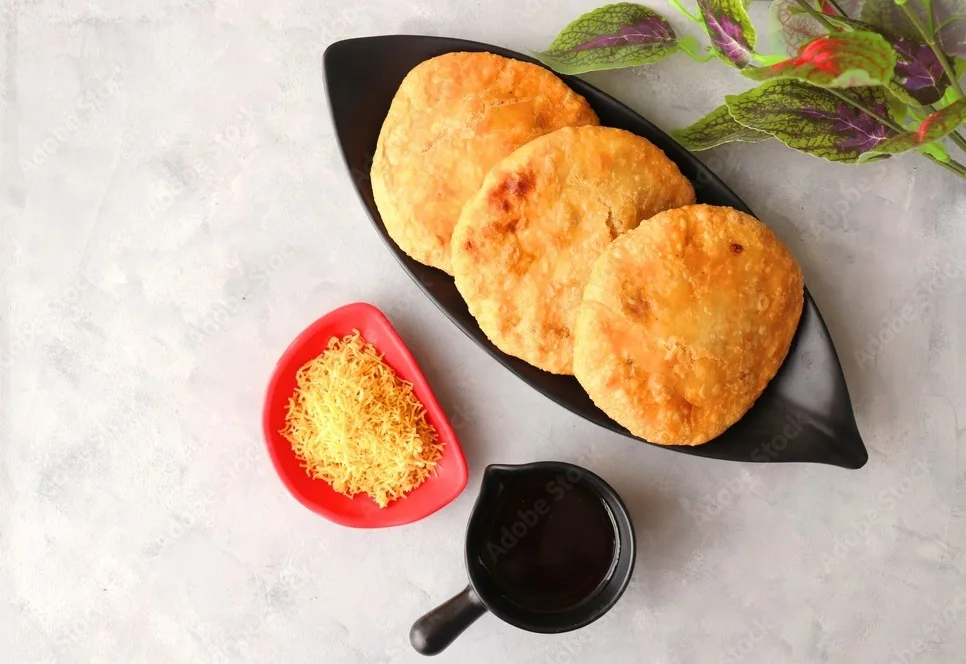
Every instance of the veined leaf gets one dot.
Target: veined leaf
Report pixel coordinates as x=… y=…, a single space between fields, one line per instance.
x=814 y=120
x=611 y=37
x=951 y=28
x=919 y=72
x=730 y=29
x=919 y=77
x=888 y=15
x=846 y=60
x=946 y=17
x=959 y=69
x=936 y=150
x=935 y=127
x=715 y=128
x=790 y=28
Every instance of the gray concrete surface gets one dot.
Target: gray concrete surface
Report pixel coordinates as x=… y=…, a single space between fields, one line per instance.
x=174 y=211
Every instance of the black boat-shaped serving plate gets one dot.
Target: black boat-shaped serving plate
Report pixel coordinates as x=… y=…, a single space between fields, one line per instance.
x=803 y=415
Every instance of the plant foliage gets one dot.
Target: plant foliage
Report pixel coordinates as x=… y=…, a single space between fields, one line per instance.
x=854 y=85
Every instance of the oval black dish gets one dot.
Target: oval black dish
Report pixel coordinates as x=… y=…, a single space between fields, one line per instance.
x=804 y=414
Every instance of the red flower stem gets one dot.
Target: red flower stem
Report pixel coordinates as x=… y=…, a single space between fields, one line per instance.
x=818 y=16
x=930 y=39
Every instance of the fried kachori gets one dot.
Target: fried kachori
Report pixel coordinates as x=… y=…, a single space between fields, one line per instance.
x=453 y=118
x=526 y=242
x=685 y=320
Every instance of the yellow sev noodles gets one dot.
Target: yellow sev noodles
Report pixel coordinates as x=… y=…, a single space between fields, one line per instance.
x=357 y=425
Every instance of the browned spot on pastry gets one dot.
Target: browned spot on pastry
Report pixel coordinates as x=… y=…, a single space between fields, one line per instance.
x=736 y=248
x=635 y=303
x=516 y=185
x=513 y=187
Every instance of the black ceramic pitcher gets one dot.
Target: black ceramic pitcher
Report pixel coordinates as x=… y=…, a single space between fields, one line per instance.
x=549 y=548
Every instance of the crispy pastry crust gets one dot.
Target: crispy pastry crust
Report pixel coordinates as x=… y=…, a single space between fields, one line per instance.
x=685 y=320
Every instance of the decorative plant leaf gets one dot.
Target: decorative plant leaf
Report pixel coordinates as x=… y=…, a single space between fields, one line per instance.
x=919 y=71
x=790 y=28
x=691 y=47
x=845 y=60
x=730 y=29
x=919 y=77
x=946 y=17
x=769 y=60
x=935 y=127
x=850 y=7
x=814 y=120
x=951 y=94
x=937 y=150
x=888 y=15
x=950 y=27
x=611 y=37
x=715 y=128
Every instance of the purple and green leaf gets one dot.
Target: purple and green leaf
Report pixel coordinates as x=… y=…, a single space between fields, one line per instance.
x=951 y=94
x=814 y=120
x=919 y=77
x=841 y=60
x=950 y=28
x=790 y=28
x=935 y=127
x=919 y=72
x=715 y=128
x=611 y=37
x=947 y=18
x=730 y=29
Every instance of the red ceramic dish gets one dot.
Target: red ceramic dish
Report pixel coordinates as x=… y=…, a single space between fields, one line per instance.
x=361 y=511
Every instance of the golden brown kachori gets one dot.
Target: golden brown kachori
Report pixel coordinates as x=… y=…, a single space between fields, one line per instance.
x=453 y=117
x=685 y=320
x=525 y=244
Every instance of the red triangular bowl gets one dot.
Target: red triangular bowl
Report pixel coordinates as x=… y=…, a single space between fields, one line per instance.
x=361 y=511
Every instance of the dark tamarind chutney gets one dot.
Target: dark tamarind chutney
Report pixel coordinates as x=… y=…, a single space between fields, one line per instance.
x=552 y=543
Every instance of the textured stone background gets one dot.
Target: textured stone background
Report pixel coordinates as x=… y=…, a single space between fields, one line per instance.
x=174 y=211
